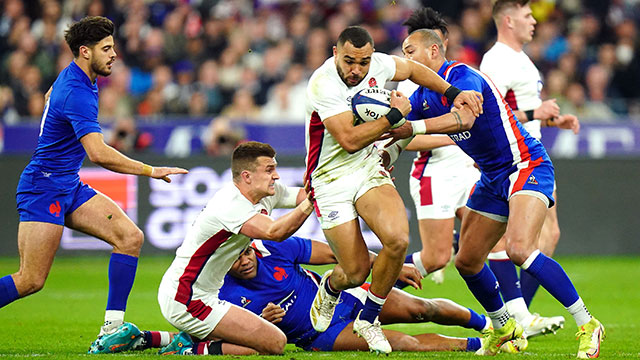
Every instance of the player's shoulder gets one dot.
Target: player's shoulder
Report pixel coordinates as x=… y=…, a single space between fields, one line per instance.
x=499 y=55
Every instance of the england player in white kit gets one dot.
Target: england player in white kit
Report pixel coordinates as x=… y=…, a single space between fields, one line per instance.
x=345 y=177
x=520 y=83
x=237 y=213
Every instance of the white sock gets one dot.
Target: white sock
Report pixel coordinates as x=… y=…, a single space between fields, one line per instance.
x=579 y=312
x=417 y=261
x=499 y=317
x=112 y=319
x=517 y=308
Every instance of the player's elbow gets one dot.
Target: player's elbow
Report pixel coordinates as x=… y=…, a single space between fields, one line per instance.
x=97 y=157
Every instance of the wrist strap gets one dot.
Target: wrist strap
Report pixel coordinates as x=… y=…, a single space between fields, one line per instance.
x=529 y=115
x=451 y=93
x=147 y=170
x=419 y=127
x=394 y=116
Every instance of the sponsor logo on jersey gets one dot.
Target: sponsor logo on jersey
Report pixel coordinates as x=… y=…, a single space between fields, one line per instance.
x=333 y=215
x=46 y=174
x=264 y=211
x=244 y=301
x=425 y=106
x=373 y=82
x=532 y=180
x=465 y=135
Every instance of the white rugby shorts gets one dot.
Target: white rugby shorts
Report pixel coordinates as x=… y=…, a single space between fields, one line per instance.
x=200 y=319
x=336 y=199
x=438 y=194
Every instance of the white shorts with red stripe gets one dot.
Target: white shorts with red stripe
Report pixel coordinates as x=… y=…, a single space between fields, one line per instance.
x=199 y=318
x=439 y=193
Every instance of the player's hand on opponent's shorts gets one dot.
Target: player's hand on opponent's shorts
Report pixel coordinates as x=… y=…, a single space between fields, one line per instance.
x=401 y=102
x=164 y=172
x=547 y=110
x=568 y=121
x=273 y=313
x=471 y=98
x=411 y=275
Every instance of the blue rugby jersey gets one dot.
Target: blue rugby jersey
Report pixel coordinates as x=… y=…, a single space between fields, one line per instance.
x=280 y=280
x=70 y=113
x=497 y=142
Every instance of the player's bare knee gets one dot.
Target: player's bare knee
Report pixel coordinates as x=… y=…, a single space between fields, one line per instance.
x=397 y=246
x=275 y=345
x=29 y=284
x=421 y=310
x=357 y=278
x=131 y=240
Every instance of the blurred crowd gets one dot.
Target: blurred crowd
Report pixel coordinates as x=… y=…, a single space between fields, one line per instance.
x=250 y=60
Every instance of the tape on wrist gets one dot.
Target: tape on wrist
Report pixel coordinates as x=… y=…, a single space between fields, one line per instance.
x=419 y=127
x=529 y=115
x=147 y=170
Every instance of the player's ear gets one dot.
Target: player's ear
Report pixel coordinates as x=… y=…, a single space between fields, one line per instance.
x=85 y=52
x=335 y=51
x=245 y=175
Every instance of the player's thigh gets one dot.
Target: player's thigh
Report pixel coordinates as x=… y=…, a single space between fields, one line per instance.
x=550 y=233
x=349 y=246
x=526 y=216
x=103 y=218
x=37 y=244
x=242 y=327
x=478 y=235
x=383 y=210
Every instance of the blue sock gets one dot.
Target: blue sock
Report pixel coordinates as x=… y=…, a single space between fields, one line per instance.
x=371 y=308
x=553 y=278
x=507 y=276
x=484 y=286
x=476 y=322
x=528 y=285
x=8 y=291
x=409 y=259
x=473 y=344
x=329 y=289
x=122 y=271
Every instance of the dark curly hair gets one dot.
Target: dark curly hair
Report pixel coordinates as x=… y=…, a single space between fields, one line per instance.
x=88 y=32
x=426 y=18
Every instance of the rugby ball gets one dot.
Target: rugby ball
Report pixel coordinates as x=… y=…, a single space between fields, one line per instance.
x=371 y=104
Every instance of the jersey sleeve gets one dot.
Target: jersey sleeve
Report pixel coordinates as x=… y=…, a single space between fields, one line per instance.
x=416 y=109
x=233 y=216
x=81 y=108
x=294 y=249
x=286 y=196
x=325 y=96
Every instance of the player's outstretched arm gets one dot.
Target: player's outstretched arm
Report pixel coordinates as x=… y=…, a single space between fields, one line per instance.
x=424 y=76
x=565 y=121
x=109 y=158
x=265 y=228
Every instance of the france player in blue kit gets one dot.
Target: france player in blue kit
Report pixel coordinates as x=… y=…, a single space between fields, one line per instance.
x=50 y=194
x=511 y=197
x=267 y=279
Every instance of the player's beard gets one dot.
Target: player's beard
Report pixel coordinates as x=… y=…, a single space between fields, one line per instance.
x=344 y=78
x=100 y=69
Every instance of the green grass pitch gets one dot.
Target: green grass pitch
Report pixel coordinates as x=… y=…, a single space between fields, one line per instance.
x=61 y=321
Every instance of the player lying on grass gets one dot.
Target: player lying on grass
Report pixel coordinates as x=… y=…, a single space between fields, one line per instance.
x=267 y=279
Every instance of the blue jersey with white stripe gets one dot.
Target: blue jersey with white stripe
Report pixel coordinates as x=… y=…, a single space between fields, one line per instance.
x=70 y=113
x=280 y=280
x=497 y=141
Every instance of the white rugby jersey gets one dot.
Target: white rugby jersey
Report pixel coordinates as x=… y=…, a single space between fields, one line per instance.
x=517 y=79
x=445 y=157
x=328 y=95
x=213 y=242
